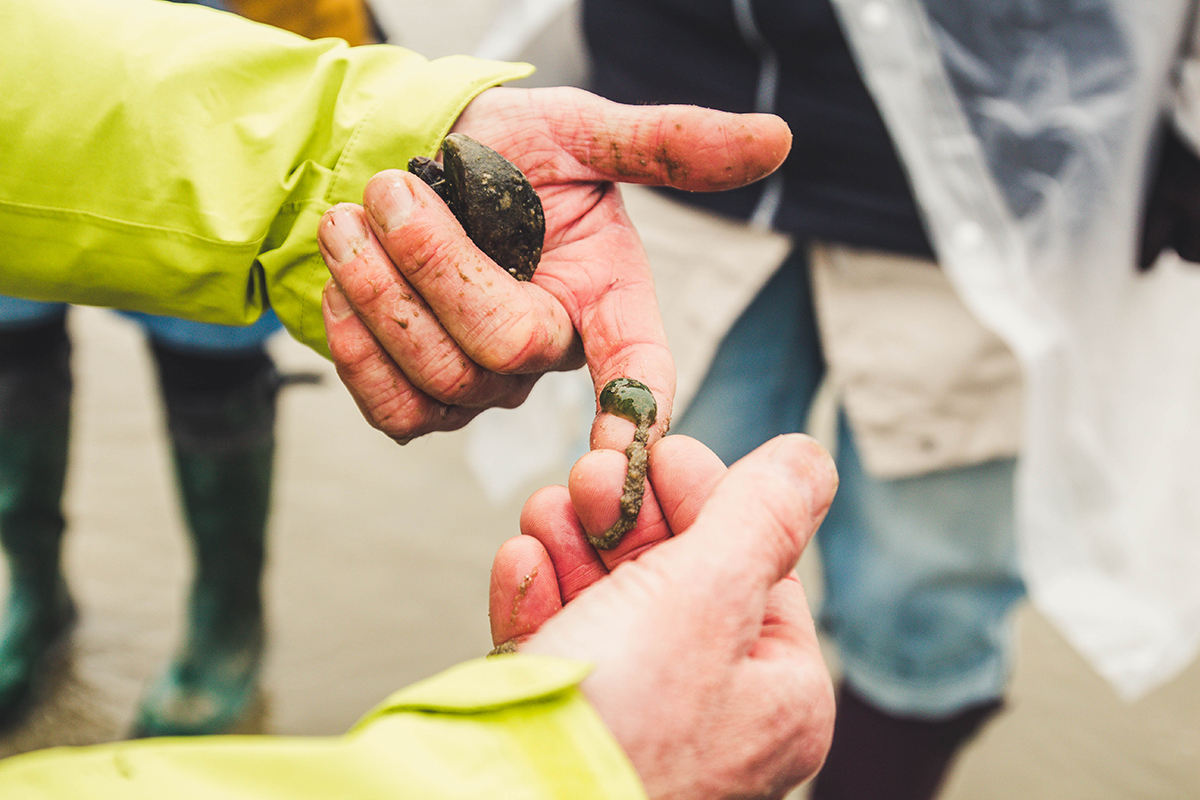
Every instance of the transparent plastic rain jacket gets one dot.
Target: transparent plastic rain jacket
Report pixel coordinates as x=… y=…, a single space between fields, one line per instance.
x=1029 y=131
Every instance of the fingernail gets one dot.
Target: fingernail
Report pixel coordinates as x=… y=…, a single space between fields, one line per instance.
x=339 y=306
x=342 y=233
x=391 y=205
x=809 y=464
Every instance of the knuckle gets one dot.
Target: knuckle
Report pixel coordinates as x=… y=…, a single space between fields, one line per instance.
x=518 y=343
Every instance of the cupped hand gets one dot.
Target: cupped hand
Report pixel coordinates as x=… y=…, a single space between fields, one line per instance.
x=426 y=331
x=707 y=666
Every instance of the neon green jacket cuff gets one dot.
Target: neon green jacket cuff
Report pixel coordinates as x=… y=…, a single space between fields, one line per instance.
x=516 y=727
x=176 y=160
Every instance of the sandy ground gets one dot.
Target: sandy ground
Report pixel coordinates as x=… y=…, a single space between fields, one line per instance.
x=379 y=559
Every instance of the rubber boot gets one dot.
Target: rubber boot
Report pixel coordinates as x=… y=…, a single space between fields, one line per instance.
x=35 y=399
x=879 y=756
x=221 y=417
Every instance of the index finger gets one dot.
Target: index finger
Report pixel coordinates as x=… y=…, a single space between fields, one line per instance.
x=503 y=325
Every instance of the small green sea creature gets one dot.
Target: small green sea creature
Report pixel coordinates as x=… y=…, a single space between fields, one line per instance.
x=631 y=400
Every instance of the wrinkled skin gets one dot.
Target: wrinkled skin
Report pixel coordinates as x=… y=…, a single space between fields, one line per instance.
x=426 y=332
x=707 y=666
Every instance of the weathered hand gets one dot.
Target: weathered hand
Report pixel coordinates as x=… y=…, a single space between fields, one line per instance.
x=426 y=332
x=707 y=667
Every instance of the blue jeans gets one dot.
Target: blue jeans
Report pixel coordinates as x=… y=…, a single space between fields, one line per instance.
x=920 y=573
x=180 y=334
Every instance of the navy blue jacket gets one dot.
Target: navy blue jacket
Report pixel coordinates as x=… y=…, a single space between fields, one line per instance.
x=843 y=181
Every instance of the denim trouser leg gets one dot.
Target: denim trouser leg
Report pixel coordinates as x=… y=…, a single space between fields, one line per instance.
x=180 y=334
x=765 y=372
x=920 y=578
x=16 y=312
x=920 y=573
x=206 y=338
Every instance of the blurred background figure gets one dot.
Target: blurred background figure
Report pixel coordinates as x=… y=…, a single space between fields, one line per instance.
x=918 y=558
x=219 y=387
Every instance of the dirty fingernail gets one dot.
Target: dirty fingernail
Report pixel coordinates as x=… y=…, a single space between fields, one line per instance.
x=342 y=233
x=339 y=306
x=391 y=206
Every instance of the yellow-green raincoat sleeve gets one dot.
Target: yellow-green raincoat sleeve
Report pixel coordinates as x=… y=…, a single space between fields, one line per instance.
x=514 y=727
x=176 y=160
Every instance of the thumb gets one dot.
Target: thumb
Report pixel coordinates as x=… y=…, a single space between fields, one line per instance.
x=688 y=147
x=761 y=515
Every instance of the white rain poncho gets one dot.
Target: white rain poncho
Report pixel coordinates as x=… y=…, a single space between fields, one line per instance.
x=1027 y=128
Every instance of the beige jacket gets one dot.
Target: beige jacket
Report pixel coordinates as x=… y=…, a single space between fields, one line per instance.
x=925 y=386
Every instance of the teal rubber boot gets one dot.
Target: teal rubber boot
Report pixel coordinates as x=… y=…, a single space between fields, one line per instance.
x=35 y=395
x=223 y=447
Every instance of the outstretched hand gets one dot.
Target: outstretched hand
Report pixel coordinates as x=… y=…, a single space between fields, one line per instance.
x=707 y=666
x=427 y=332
